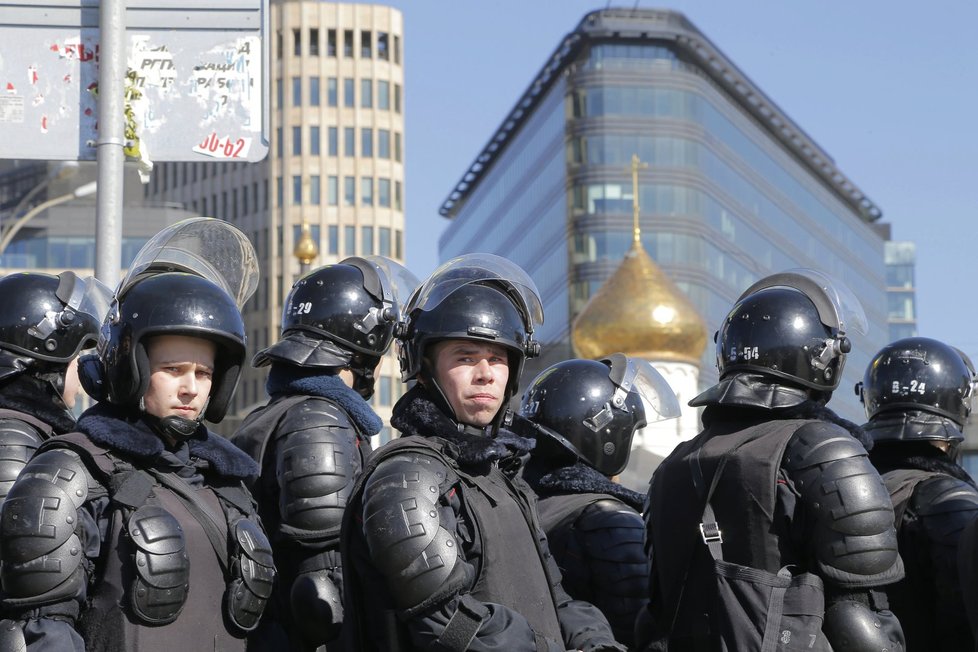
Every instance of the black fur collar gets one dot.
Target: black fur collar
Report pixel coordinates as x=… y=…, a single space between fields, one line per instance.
x=116 y=429
x=578 y=478
x=289 y=379
x=36 y=397
x=416 y=415
x=807 y=409
x=921 y=455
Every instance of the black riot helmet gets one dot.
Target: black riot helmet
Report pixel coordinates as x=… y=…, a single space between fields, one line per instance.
x=919 y=374
x=793 y=326
x=479 y=297
x=51 y=318
x=168 y=303
x=591 y=409
x=342 y=315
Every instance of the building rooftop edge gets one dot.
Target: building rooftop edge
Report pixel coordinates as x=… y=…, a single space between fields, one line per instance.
x=658 y=25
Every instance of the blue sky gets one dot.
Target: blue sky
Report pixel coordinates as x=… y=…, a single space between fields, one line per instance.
x=888 y=89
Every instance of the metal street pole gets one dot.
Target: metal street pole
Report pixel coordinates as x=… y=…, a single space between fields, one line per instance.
x=111 y=139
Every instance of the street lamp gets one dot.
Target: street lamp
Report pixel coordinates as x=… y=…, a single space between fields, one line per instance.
x=81 y=191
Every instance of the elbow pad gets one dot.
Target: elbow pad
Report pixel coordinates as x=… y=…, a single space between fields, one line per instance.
x=854 y=539
x=851 y=626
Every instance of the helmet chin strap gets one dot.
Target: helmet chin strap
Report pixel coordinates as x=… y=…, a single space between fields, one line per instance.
x=173 y=428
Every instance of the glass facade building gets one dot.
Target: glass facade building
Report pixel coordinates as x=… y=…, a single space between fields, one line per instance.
x=901 y=259
x=733 y=189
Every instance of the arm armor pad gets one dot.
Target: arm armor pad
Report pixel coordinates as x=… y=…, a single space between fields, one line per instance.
x=853 y=538
x=162 y=577
x=316 y=464
x=317 y=607
x=403 y=530
x=944 y=505
x=249 y=591
x=18 y=441
x=42 y=555
x=851 y=626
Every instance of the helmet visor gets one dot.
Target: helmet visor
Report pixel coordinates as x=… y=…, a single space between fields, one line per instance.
x=205 y=246
x=837 y=305
x=85 y=296
x=657 y=396
x=397 y=281
x=486 y=269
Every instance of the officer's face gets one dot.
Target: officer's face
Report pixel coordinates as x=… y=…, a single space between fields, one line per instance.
x=473 y=376
x=180 y=375
x=72 y=384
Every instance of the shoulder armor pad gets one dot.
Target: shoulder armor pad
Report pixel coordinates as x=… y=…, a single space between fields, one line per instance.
x=851 y=626
x=854 y=536
x=18 y=441
x=248 y=593
x=41 y=553
x=312 y=414
x=316 y=467
x=819 y=442
x=945 y=505
x=162 y=565
x=402 y=527
x=12 y=636
x=610 y=515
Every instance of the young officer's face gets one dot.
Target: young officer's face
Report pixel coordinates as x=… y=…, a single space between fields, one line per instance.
x=473 y=376
x=181 y=369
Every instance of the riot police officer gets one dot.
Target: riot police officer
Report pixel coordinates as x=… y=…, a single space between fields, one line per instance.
x=774 y=493
x=583 y=415
x=442 y=547
x=917 y=394
x=136 y=531
x=313 y=436
x=46 y=321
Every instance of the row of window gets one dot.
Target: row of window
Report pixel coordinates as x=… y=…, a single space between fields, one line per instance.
x=383 y=100
x=385 y=47
x=226 y=205
x=389 y=242
x=372 y=191
x=367 y=142
x=175 y=175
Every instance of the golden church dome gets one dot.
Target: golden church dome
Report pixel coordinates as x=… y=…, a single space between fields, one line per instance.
x=640 y=312
x=305 y=249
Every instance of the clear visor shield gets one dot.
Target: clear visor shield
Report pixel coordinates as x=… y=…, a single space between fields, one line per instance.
x=837 y=305
x=397 y=281
x=205 y=246
x=81 y=296
x=481 y=268
x=656 y=394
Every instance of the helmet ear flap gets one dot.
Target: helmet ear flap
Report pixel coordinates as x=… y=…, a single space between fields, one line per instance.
x=91 y=373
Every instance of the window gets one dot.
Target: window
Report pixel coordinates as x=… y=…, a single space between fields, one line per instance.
x=349 y=191
x=334 y=239
x=366 y=141
x=296 y=141
x=350 y=240
x=297 y=42
x=366 y=93
x=314 y=91
x=397 y=98
x=244 y=200
x=397 y=199
x=349 y=142
x=384 y=193
x=397 y=49
x=384 y=234
x=314 y=140
x=332 y=192
x=365 y=44
x=367 y=240
x=297 y=91
x=331 y=91
x=297 y=189
x=349 y=99
x=398 y=244
x=333 y=145
x=383 y=95
x=367 y=191
x=279 y=97
x=348 y=43
x=278 y=44
x=397 y=147
x=279 y=192
x=382 y=52
x=314 y=189
x=314 y=41
x=279 y=146
x=384 y=143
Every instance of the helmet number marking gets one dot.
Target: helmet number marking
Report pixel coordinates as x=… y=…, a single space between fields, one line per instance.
x=914 y=388
x=303 y=308
x=750 y=353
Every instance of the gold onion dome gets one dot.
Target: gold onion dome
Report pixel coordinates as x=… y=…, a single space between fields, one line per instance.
x=640 y=312
x=305 y=249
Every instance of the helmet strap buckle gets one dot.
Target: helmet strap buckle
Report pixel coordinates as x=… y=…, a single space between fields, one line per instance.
x=602 y=418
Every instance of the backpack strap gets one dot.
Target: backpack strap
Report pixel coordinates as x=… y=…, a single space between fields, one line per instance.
x=901 y=483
